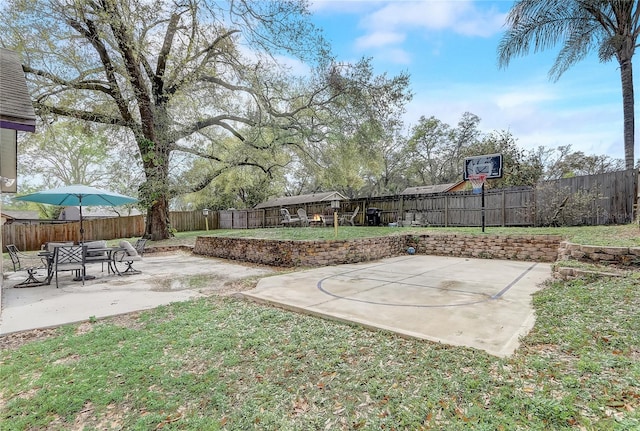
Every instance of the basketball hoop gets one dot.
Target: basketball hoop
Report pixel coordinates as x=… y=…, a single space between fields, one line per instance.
x=477 y=181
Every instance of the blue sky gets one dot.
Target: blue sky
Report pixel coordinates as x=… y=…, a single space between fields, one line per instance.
x=449 y=47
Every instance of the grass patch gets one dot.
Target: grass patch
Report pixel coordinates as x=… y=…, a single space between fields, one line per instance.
x=615 y=235
x=224 y=363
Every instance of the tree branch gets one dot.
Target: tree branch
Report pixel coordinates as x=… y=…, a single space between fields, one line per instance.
x=91 y=34
x=94 y=85
x=42 y=109
x=208 y=53
x=213 y=121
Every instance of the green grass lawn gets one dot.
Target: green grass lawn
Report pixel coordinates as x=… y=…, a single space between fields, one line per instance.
x=617 y=235
x=223 y=363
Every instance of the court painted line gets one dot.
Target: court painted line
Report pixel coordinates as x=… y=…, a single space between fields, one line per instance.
x=486 y=298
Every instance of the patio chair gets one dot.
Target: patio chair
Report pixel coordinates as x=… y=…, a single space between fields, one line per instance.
x=123 y=259
x=25 y=262
x=302 y=215
x=139 y=245
x=346 y=218
x=51 y=246
x=286 y=217
x=97 y=252
x=70 y=258
x=22 y=261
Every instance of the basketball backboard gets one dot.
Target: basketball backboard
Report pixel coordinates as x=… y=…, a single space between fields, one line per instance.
x=488 y=164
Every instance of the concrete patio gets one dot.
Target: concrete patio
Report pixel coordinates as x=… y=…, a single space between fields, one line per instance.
x=164 y=278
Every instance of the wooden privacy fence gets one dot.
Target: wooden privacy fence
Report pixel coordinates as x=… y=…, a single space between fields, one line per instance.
x=586 y=200
x=597 y=199
x=31 y=237
x=505 y=207
x=187 y=221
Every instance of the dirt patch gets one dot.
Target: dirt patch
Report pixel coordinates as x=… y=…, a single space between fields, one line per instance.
x=17 y=339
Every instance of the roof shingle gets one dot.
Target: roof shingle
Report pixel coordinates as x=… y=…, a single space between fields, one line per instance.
x=16 y=108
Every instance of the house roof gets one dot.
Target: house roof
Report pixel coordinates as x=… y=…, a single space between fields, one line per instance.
x=21 y=215
x=16 y=109
x=435 y=188
x=73 y=213
x=301 y=199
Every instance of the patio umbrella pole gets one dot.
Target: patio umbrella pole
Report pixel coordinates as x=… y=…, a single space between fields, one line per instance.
x=81 y=228
x=84 y=276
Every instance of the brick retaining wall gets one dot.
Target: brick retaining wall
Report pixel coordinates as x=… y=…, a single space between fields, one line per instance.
x=540 y=248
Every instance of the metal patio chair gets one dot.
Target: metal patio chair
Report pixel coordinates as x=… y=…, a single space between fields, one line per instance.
x=25 y=262
x=124 y=258
x=139 y=245
x=70 y=258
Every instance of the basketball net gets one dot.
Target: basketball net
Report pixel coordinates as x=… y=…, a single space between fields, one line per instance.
x=477 y=180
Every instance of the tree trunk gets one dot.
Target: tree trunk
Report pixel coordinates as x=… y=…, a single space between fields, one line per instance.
x=157 y=226
x=626 y=75
x=154 y=193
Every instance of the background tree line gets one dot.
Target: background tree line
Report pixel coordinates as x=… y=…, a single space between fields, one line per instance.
x=428 y=153
x=195 y=104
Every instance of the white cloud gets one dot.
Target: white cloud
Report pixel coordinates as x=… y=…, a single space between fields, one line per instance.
x=293 y=65
x=542 y=117
x=381 y=38
x=523 y=97
x=462 y=17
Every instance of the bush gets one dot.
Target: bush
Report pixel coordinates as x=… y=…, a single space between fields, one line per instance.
x=558 y=206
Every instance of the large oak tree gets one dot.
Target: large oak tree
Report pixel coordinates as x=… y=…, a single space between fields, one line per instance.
x=179 y=77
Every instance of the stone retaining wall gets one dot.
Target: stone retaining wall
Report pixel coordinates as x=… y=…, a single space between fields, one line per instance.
x=626 y=256
x=540 y=248
x=300 y=253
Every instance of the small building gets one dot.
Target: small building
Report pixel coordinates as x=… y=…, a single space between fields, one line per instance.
x=16 y=114
x=89 y=213
x=20 y=217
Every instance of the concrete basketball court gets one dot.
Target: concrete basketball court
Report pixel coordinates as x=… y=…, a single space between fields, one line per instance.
x=479 y=303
